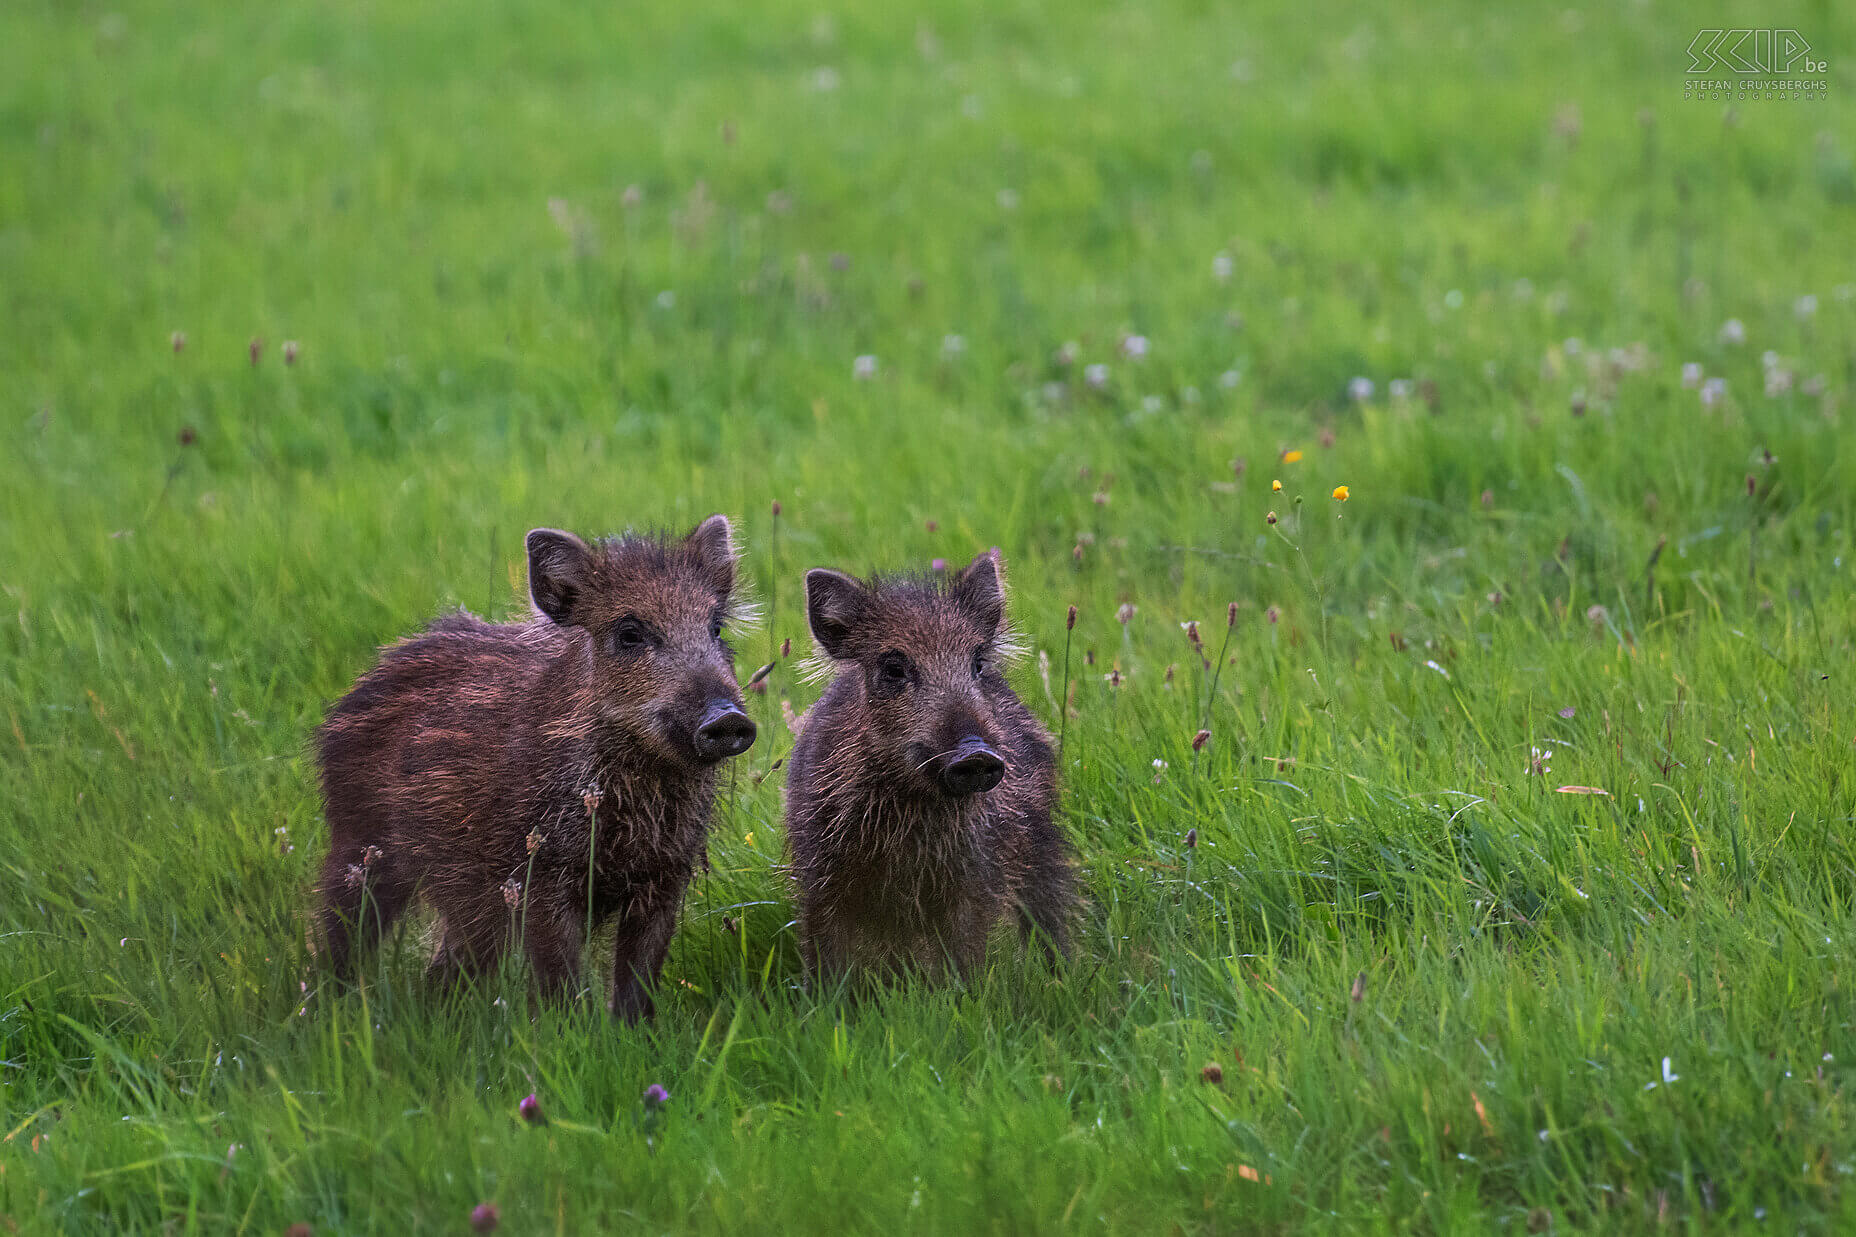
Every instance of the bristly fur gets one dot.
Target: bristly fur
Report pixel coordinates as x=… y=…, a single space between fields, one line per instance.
x=480 y=766
x=892 y=871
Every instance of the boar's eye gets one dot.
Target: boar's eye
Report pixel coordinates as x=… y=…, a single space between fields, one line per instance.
x=892 y=670
x=630 y=636
x=715 y=625
x=979 y=661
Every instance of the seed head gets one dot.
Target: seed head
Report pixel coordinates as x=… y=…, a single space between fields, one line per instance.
x=1270 y=518
x=256 y=348
x=512 y=893
x=776 y=508
x=178 y=340
x=786 y=648
x=1199 y=741
x=1124 y=612
x=188 y=435
x=535 y=839
x=289 y=352
x=1213 y=1073
x=1230 y=615
x=1273 y=615
x=1069 y=624
x=1752 y=486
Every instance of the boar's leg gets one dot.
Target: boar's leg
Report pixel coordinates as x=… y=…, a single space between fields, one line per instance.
x=824 y=946
x=638 y=955
x=470 y=940
x=1047 y=890
x=551 y=936
x=359 y=903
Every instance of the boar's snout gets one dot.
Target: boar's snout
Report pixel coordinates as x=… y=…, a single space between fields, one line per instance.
x=973 y=769
x=724 y=731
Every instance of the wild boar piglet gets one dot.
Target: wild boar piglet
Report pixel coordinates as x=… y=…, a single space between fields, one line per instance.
x=920 y=790
x=521 y=777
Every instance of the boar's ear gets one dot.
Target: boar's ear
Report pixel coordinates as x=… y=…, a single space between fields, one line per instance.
x=834 y=608
x=559 y=567
x=713 y=544
x=979 y=591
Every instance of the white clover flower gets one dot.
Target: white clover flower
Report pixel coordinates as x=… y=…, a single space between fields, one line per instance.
x=1096 y=375
x=1360 y=390
x=953 y=345
x=864 y=367
x=1691 y=376
x=1134 y=347
x=1713 y=391
x=666 y=299
x=1805 y=306
x=1229 y=379
x=1733 y=331
x=1221 y=266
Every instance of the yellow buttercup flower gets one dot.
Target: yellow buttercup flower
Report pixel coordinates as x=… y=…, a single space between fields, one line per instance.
x=1275 y=487
x=1290 y=457
x=1340 y=493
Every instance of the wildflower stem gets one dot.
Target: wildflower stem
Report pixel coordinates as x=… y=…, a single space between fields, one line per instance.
x=1205 y=722
x=1063 y=689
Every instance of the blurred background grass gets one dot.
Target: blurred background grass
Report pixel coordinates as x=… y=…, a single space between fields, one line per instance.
x=599 y=268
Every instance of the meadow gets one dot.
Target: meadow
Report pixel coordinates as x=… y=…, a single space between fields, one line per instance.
x=1510 y=888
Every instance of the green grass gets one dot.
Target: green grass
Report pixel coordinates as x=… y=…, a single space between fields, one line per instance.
x=1446 y=194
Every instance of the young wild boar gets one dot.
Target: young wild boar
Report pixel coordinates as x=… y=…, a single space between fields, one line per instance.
x=487 y=767
x=920 y=790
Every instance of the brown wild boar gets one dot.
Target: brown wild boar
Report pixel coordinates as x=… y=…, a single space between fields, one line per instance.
x=523 y=776
x=920 y=790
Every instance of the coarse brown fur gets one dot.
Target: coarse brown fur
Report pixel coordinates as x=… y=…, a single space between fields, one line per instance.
x=901 y=865
x=480 y=766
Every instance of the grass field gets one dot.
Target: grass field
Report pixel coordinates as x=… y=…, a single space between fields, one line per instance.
x=595 y=267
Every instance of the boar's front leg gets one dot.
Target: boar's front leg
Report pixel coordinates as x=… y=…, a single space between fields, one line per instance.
x=1047 y=889
x=552 y=937
x=642 y=943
